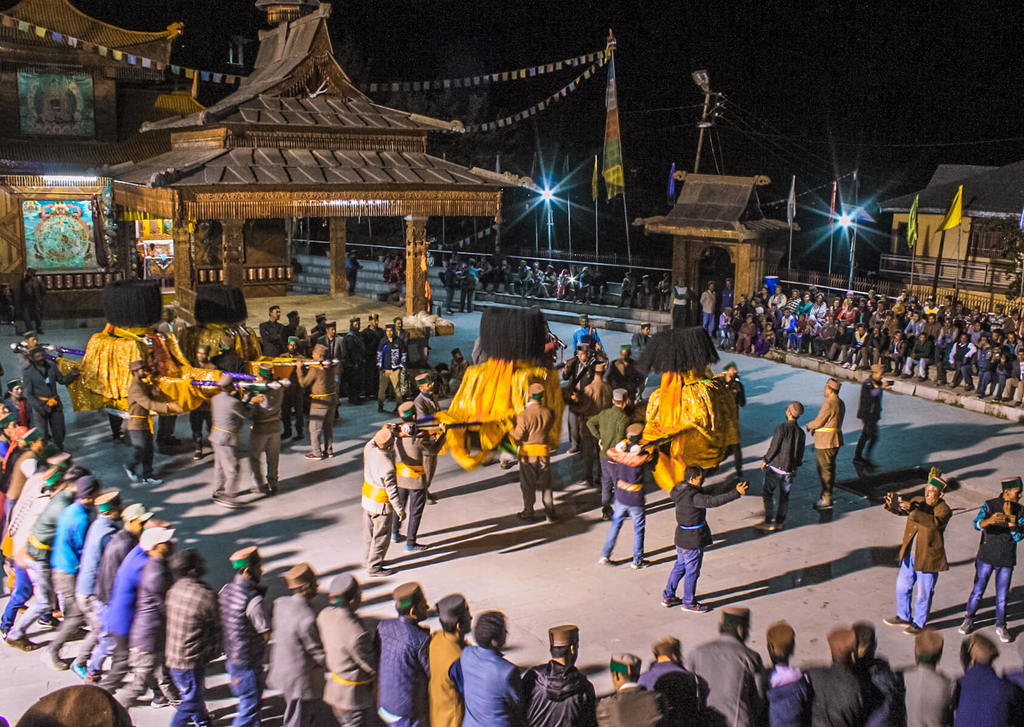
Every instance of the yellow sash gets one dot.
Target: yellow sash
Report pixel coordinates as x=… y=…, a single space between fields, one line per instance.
x=377 y=494
x=347 y=683
x=408 y=470
x=628 y=486
x=533 y=450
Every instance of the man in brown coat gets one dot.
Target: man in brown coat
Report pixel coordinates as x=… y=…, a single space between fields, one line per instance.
x=142 y=400
x=631 y=705
x=827 y=429
x=351 y=659
x=922 y=554
x=322 y=382
x=531 y=432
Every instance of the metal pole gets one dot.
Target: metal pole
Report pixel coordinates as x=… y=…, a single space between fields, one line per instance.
x=550 y=224
x=700 y=136
x=625 y=216
x=853 y=236
x=938 y=265
x=790 y=258
x=568 y=214
x=597 y=236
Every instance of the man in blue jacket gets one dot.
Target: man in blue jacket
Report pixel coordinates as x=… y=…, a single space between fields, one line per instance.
x=692 y=536
x=489 y=683
x=65 y=560
x=404 y=670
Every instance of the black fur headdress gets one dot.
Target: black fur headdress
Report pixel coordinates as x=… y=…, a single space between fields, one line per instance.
x=220 y=304
x=513 y=334
x=679 y=350
x=132 y=303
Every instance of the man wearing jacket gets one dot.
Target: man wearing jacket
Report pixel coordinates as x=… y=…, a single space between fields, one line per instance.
x=229 y=410
x=782 y=460
x=631 y=705
x=265 y=435
x=142 y=401
x=381 y=501
x=147 y=633
x=99 y=535
x=827 y=429
x=1001 y=522
x=391 y=359
x=627 y=461
x=609 y=428
x=404 y=672
x=731 y=672
x=193 y=636
x=557 y=694
x=297 y=657
x=679 y=688
x=412 y=448
x=531 y=432
x=922 y=554
x=961 y=360
x=692 y=536
x=40 y=381
x=350 y=658
x=322 y=382
x=246 y=631
x=66 y=559
x=869 y=411
x=444 y=650
x=489 y=684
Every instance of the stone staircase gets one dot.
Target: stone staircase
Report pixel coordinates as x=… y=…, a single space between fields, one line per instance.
x=608 y=317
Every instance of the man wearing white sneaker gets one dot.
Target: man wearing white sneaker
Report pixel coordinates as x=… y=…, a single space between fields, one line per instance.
x=626 y=464
x=143 y=400
x=692 y=536
x=1001 y=522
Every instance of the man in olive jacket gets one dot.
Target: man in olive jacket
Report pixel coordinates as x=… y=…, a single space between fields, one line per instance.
x=827 y=429
x=922 y=554
x=609 y=428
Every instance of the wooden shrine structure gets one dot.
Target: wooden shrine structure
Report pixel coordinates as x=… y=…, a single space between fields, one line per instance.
x=296 y=139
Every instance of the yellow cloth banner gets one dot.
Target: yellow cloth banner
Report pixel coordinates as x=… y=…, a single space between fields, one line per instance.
x=699 y=414
x=492 y=393
x=955 y=211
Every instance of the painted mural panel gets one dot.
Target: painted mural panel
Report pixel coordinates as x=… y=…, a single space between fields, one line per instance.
x=59 y=234
x=56 y=104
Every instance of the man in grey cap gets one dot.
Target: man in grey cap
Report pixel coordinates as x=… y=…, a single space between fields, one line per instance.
x=351 y=658
x=228 y=411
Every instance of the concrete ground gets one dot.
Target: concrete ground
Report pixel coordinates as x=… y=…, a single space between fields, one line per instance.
x=819 y=572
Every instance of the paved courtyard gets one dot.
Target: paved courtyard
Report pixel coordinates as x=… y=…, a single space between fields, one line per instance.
x=819 y=572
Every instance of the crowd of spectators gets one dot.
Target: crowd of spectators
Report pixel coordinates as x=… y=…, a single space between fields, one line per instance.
x=978 y=350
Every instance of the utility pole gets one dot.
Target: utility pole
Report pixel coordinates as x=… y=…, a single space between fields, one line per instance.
x=853 y=234
x=702 y=80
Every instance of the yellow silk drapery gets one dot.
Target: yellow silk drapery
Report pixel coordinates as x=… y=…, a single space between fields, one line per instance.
x=700 y=415
x=493 y=393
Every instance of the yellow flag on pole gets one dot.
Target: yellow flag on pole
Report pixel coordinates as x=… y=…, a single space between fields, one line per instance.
x=955 y=211
x=593 y=181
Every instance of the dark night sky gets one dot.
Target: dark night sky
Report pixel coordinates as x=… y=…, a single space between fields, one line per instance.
x=867 y=75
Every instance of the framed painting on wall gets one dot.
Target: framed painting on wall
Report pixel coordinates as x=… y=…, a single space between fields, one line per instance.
x=56 y=104
x=59 y=234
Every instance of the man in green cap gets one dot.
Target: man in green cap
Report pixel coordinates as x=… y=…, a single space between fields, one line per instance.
x=17 y=404
x=609 y=428
x=265 y=438
x=293 y=406
x=201 y=414
x=630 y=704
x=1001 y=522
x=922 y=554
x=412 y=446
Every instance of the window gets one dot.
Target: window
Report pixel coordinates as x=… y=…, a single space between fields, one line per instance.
x=236 y=52
x=985 y=241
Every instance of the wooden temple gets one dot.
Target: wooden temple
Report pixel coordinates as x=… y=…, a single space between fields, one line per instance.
x=71 y=103
x=297 y=139
x=718 y=232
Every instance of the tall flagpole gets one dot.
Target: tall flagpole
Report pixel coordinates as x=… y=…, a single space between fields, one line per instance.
x=597 y=236
x=625 y=216
x=568 y=203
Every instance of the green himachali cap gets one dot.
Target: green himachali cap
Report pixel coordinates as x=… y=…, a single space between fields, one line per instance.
x=1012 y=483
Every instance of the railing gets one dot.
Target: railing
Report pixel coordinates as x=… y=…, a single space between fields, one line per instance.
x=979 y=275
x=78 y=281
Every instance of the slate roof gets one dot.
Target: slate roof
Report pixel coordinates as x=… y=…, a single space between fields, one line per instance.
x=62 y=16
x=296 y=168
x=997 y=192
x=717 y=202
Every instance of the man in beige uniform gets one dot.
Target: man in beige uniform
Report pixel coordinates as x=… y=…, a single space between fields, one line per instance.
x=322 y=382
x=827 y=429
x=380 y=500
x=265 y=436
x=351 y=658
x=595 y=398
x=412 y=448
x=533 y=427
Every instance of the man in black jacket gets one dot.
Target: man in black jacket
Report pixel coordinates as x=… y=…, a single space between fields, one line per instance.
x=557 y=694
x=837 y=699
x=784 y=456
x=692 y=536
x=869 y=411
x=272 y=333
x=731 y=376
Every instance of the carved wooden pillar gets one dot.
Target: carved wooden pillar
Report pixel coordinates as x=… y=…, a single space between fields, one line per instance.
x=415 y=264
x=336 y=251
x=232 y=255
x=184 y=271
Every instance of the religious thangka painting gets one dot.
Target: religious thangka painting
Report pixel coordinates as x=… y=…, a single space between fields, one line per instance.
x=59 y=234
x=56 y=104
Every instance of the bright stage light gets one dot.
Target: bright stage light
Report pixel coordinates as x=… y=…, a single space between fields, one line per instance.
x=547 y=194
x=845 y=220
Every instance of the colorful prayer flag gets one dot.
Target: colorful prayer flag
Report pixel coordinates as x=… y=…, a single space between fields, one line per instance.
x=955 y=211
x=614 y=178
x=672 y=183
x=912 y=223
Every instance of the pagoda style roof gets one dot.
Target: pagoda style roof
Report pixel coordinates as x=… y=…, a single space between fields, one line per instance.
x=65 y=18
x=297 y=83
x=714 y=205
x=996 y=192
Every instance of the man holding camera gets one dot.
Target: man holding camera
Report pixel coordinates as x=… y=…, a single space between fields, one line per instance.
x=869 y=411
